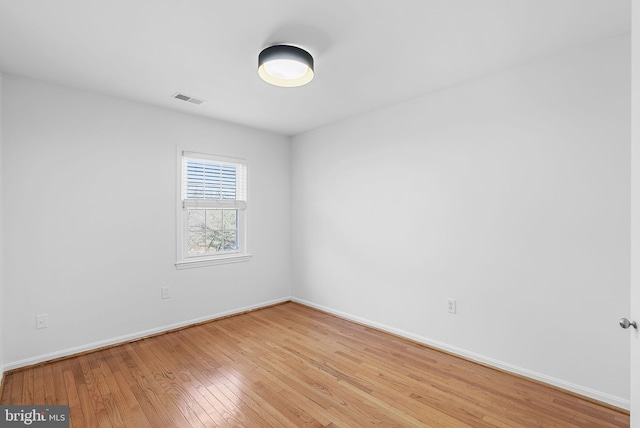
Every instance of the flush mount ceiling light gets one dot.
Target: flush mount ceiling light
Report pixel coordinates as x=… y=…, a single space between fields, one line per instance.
x=286 y=66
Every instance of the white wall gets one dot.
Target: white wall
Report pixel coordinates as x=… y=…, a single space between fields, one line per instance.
x=634 y=313
x=89 y=210
x=2 y=312
x=509 y=194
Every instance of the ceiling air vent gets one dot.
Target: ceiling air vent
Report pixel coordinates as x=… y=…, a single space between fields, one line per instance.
x=187 y=98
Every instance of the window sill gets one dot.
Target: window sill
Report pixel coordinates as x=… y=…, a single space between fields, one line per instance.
x=221 y=260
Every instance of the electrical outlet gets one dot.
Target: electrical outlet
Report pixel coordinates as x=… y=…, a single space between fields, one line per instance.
x=41 y=321
x=451 y=306
x=165 y=293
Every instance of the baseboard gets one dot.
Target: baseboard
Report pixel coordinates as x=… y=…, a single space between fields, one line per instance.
x=558 y=383
x=611 y=400
x=134 y=336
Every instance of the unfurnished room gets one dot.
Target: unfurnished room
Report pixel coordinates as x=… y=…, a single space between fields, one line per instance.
x=285 y=213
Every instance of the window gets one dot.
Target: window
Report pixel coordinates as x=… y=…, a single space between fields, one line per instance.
x=211 y=210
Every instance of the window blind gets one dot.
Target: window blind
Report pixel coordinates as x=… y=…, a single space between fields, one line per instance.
x=213 y=182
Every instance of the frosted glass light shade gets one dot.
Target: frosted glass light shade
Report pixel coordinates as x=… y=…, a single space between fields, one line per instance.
x=286 y=66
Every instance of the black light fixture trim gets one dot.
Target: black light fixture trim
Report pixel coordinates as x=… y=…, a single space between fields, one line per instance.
x=285 y=52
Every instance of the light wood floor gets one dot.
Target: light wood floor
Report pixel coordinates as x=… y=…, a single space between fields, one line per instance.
x=290 y=366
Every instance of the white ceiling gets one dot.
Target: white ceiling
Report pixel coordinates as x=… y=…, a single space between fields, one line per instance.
x=368 y=53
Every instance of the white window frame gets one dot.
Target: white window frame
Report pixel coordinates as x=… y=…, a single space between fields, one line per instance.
x=184 y=259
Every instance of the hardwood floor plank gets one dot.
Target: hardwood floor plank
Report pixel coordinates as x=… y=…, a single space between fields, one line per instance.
x=60 y=396
x=38 y=385
x=111 y=402
x=48 y=385
x=76 y=417
x=84 y=399
x=289 y=366
x=27 y=386
x=7 y=386
x=16 y=380
x=98 y=394
x=126 y=402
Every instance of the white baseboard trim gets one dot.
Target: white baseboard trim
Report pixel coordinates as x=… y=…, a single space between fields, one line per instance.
x=133 y=336
x=559 y=383
x=578 y=389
